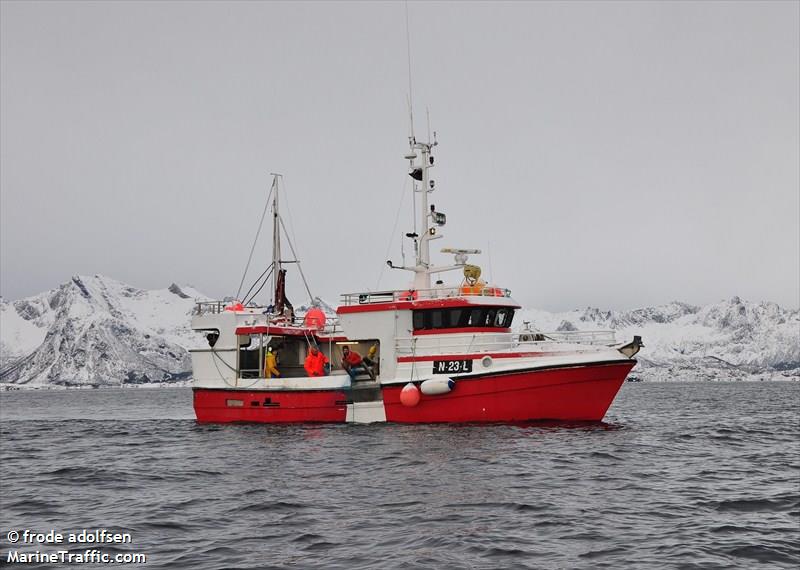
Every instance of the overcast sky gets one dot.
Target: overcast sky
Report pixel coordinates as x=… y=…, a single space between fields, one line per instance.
x=608 y=154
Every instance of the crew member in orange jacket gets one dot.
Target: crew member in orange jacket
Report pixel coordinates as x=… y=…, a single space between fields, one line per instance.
x=315 y=362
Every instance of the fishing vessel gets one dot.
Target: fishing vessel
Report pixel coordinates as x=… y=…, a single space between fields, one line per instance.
x=432 y=352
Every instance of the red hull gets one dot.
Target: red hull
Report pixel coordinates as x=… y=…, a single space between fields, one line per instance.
x=565 y=394
x=581 y=393
x=264 y=406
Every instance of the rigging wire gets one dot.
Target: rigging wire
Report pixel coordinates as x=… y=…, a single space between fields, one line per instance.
x=394 y=229
x=291 y=221
x=292 y=240
x=255 y=241
x=299 y=267
x=253 y=296
x=222 y=377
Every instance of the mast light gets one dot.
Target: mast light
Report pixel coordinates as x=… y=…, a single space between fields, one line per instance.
x=439 y=218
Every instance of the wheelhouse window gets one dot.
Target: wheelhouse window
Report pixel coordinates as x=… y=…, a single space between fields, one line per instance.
x=455 y=317
x=463 y=317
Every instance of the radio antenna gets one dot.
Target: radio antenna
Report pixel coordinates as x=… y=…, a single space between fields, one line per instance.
x=410 y=92
x=428 y=114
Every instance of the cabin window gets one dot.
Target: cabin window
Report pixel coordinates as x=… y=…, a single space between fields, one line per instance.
x=491 y=317
x=503 y=318
x=476 y=318
x=454 y=317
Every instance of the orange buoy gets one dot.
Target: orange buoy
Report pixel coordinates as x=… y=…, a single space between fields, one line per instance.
x=409 y=395
x=314 y=319
x=235 y=307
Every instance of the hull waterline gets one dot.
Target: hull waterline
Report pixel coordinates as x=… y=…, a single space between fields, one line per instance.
x=577 y=393
x=563 y=394
x=267 y=406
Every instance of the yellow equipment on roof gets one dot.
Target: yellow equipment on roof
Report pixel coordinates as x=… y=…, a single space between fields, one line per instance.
x=471 y=274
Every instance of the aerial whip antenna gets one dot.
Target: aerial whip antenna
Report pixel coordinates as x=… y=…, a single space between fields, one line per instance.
x=428 y=114
x=410 y=92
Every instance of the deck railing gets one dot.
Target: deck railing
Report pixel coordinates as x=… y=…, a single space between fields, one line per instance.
x=209 y=307
x=373 y=297
x=332 y=326
x=488 y=342
x=581 y=337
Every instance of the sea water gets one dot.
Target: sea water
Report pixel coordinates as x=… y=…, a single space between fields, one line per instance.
x=680 y=475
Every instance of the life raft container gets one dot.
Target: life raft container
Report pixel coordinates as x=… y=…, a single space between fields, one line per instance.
x=473 y=290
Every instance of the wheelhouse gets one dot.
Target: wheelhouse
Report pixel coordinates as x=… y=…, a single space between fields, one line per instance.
x=471 y=318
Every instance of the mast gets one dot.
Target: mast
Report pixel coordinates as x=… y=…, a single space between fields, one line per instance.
x=430 y=219
x=276 y=245
x=427 y=232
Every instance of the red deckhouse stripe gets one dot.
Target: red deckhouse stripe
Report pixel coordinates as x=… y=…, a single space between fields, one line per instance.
x=423 y=304
x=474 y=356
x=459 y=330
x=262 y=329
x=289 y=331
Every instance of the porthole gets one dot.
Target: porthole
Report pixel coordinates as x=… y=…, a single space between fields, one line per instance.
x=486 y=361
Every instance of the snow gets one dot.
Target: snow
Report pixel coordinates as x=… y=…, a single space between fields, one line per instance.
x=18 y=336
x=96 y=330
x=729 y=340
x=99 y=331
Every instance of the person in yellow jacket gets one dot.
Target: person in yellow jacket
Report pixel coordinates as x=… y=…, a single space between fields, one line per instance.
x=371 y=359
x=271 y=364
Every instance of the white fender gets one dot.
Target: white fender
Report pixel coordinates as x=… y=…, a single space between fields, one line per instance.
x=436 y=386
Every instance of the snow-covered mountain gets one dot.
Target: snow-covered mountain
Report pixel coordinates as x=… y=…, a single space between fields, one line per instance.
x=729 y=340
x=95 y=330
x=98 y=331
